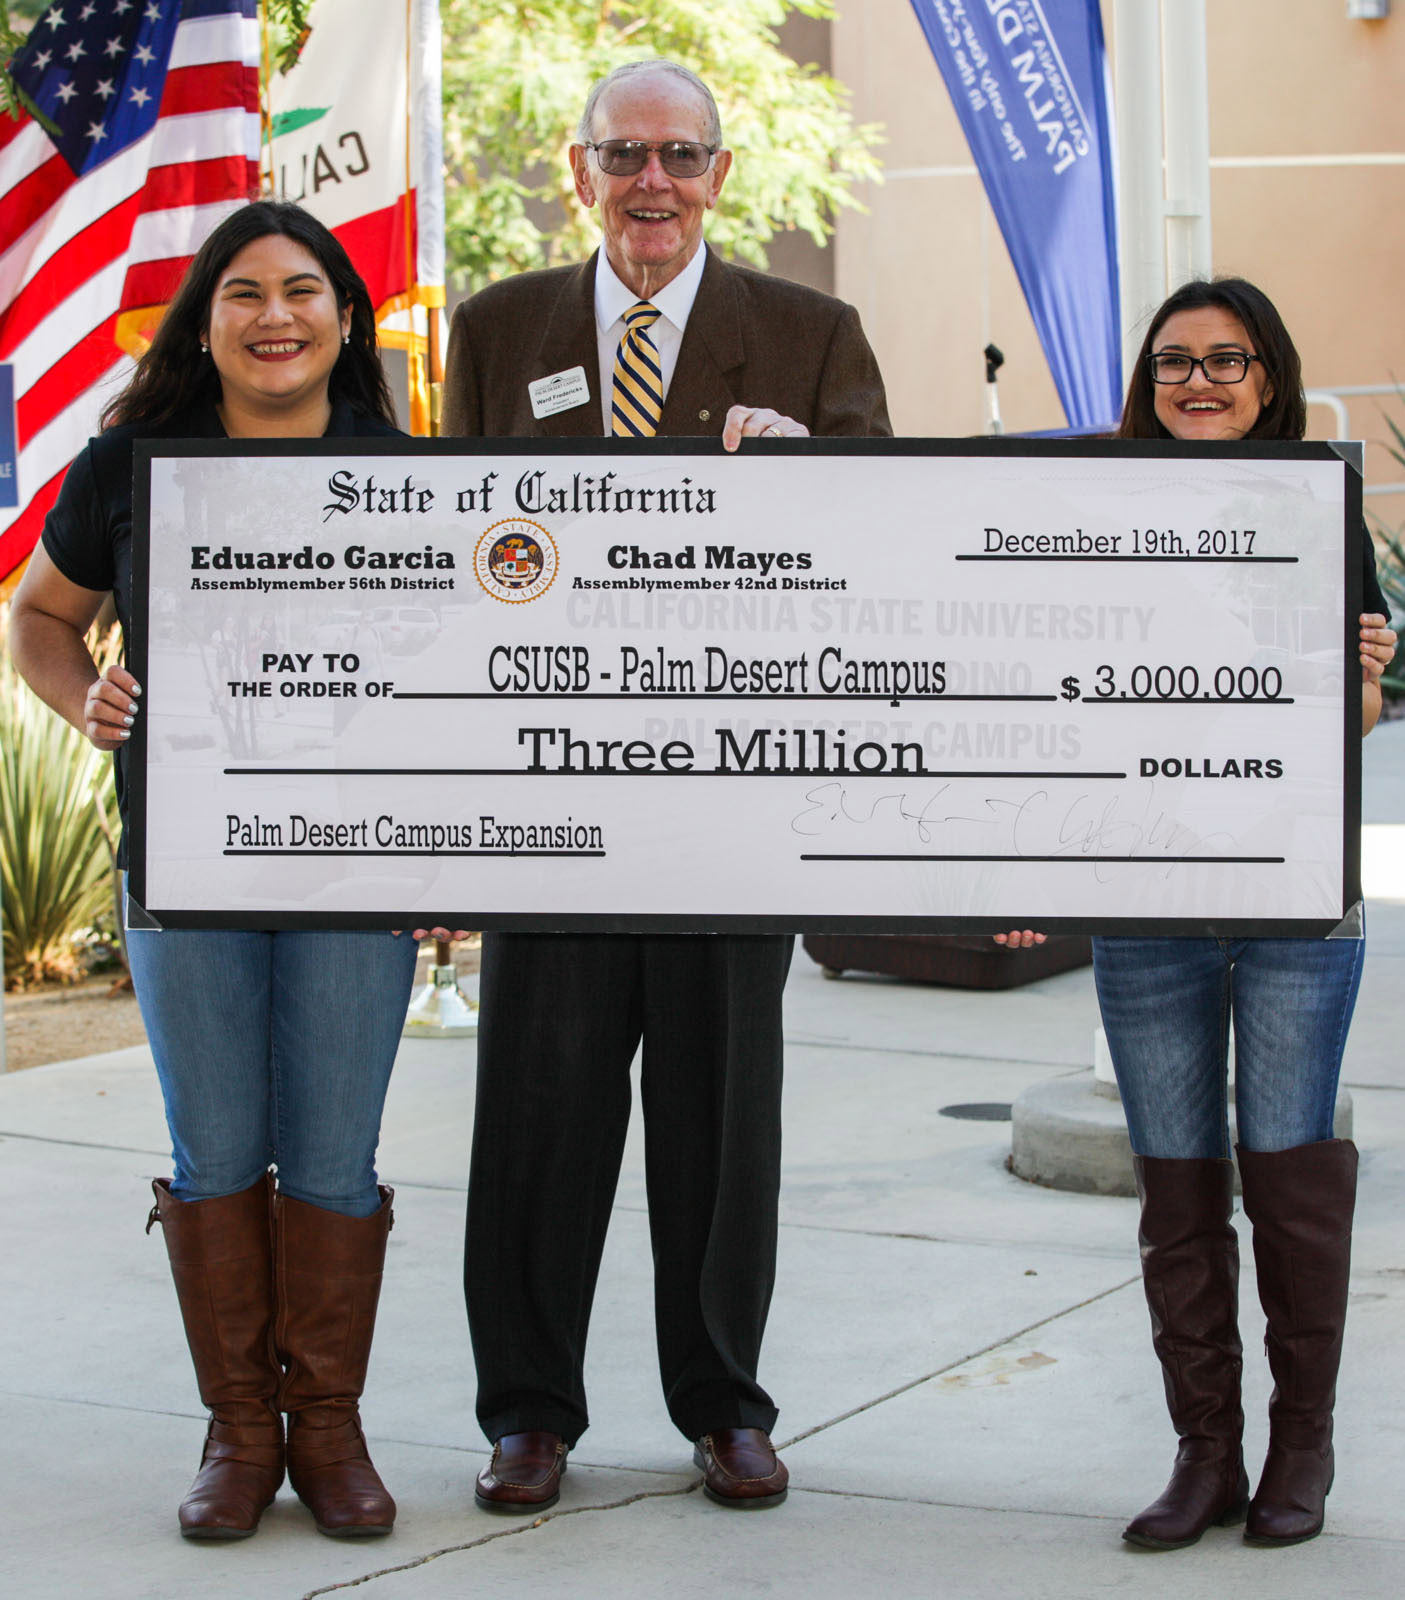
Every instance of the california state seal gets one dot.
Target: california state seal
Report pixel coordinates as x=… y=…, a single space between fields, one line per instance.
x=515 y=560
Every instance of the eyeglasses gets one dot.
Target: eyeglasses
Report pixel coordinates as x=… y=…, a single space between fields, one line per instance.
x=680 y=158
x=1224 y=366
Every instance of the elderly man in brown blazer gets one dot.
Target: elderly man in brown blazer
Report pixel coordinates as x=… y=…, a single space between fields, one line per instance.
x=653 y=335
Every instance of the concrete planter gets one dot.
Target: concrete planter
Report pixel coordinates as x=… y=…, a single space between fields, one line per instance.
x=1069 y=1133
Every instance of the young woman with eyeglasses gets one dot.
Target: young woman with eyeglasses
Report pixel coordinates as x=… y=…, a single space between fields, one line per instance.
x=1217 y=363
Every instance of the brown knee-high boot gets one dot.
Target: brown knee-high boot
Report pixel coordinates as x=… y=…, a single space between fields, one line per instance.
x=1190 y=1271
x=328 y=1283
x=222 y=1263
x=1300 y=1202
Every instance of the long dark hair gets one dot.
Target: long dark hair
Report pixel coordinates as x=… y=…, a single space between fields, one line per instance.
x=1282 y=416
x=175 y=378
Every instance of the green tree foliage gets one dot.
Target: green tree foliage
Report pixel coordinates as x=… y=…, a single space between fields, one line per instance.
x=287 y=30
x=288 y=25
x=16 y=19
x=516 y=74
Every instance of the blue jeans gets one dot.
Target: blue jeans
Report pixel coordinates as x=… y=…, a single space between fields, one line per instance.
x=1167 y=1006
x=274 y=1049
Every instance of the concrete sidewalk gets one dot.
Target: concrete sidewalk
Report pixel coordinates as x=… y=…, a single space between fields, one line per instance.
x=969 y=1401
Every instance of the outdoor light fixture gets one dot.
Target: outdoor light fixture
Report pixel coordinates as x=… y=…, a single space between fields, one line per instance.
x=440 y=1009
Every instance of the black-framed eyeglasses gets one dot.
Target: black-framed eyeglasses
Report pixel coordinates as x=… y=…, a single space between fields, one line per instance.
x=680 y=158
x=1223 y=366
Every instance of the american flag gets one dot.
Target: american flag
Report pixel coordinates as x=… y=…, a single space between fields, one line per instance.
x=146 y=135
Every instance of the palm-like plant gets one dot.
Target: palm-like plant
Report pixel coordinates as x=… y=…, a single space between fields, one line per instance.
x=58 y=820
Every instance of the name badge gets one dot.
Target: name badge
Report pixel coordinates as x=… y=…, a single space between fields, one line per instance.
x=560 y=392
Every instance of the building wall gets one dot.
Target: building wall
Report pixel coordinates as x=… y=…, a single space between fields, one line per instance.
x=1296 y=90
x=796 y=255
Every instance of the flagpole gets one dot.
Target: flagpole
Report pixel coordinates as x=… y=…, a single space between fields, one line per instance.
x=1187 y=101
x=421 y=423
x=265 y=102
x=436 y=372
x=1141 y=206
x=408 y=200
x=429 y=195
x=439 y=1008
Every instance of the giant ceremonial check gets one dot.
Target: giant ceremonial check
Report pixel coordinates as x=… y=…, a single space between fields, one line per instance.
x=901 y=686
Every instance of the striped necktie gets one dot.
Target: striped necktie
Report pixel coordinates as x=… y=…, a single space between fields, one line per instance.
x=637 y=400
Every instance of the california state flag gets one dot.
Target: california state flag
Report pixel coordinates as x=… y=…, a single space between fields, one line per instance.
x=356 y=139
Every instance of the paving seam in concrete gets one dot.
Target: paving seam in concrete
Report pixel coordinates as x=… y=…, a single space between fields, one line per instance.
x=87 y=1144
x=525 y=1525
x=635 y=1211
x=1038 y=1511
x=382 y=1438
x=101 y=1405
x=961 y=1505
x=934 y=1055
x=995 y=1344
x=1092 y=1252
x=618 y=1505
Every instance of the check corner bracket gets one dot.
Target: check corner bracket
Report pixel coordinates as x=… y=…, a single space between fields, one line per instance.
x=140 y=919
x=1352 y=451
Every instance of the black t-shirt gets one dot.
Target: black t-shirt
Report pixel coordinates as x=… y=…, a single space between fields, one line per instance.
x=1371 y=597
x=88 y=534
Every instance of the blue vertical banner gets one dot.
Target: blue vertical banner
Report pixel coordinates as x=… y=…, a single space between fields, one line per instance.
x=9 y=443
x=1029 y=80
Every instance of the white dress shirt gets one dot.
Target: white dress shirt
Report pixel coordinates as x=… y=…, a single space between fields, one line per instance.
x=673 y=303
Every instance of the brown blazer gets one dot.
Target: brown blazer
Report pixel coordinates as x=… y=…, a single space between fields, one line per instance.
x=751 y=339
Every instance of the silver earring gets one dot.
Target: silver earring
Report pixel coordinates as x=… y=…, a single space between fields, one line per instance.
x=204 y=349
x=346 y=338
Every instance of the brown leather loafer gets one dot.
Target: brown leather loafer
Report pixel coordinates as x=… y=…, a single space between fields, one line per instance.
x=740 y=1469
x=524 y=1474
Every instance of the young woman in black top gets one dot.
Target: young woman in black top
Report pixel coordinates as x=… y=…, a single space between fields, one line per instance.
x=273 y=1049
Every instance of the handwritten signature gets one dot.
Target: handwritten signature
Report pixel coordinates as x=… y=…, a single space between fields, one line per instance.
x=1103 y=827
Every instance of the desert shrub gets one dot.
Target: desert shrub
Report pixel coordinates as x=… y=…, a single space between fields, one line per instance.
x=58 y=828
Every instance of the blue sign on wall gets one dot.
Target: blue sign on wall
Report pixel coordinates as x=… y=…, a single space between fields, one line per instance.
x=1028 y=79
x=9 y=442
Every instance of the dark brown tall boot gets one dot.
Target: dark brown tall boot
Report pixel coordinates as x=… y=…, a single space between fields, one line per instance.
x=329 y=1281
x=222 y=1262
x=1300 y=1202
x=1190 y=1271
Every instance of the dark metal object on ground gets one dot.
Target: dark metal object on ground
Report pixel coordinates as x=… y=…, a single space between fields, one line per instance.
x=964 y=961
x=979 y=1111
